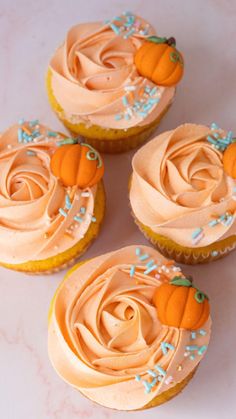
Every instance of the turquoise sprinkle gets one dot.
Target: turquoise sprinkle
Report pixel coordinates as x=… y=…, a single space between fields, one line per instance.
x=196 y=233
x=20 y=135
x=144 y=257
x=193 y=335
x=229 y=220
x=154 y=381
x=138 y=251
x=115 y=28
x=152 y=373
x=153 y=91
x=202 y=349
x=118 y=117
x=67 y=141
x=68 y=202
x=154 y=100
x=216 y=135
x=152 y=268
x=31 y=153
x=143 y=114
x=82 y=210
x=214 y=126
x=21 y=121
x=214 y=253
x=147 y=386
x=62 y=212
x=93 y=219
x=165 y=346
x=125 y=101
x=192 y=348
x=137 y=377
x=34 y=122
x=202 y=332
x=78 y=219
x=147 y=107
x=160 y=370
x=52 y=134
x=117 y=18
x=147 y=89
x=214 y=142
x=192 y=357
x=213 y=223
x=129 y=33
x=150 y=263
x=132 y=270
x=127 y=116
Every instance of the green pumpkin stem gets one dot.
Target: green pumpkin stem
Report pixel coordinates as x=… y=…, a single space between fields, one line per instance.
x=162 y=40
x=187 y=282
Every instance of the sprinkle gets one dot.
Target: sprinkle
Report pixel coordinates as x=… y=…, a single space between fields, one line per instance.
x=165 y=346
x=52 y=134
x=214 y=126
x=144 y=257
x=132 y=270
x=169 y=380
x=93 y=219
x=213 y=223
x=34 y=122
x=192 y=347
x=214 y=253
x=68 y=202
x=118 y=117
x=143 y=114
x=147 y=386
x=152 y=268
x=150 y=263
x=82 y=210
x=153 y=91
x=20 y=135
x=160 y=370
x=125 y=101
x=138 y=251
x=196 y=233
x=154 y=381
x=130 y=88
x=202 y=332
x=21 y=121
x=85 y=194
x=152 y=373
x=193 y=335
x=62 y=212
x=147 y=89
x=192 y=357
x=129 y=33
x=127 y=116
x=202 y=350
x=198 y=238
x=115 y=28
x=66 y=141
x=137 y=377
x=31 y=153
x=210 y=140
x=78 y=219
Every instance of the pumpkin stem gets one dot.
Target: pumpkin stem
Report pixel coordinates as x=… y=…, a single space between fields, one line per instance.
x=200 y=296
x=157 y=39
x=181 y=282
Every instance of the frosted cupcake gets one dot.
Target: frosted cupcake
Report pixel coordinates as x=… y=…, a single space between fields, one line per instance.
x=127 y=329
x=49 y=213
x=112 y=82
x=182 y=197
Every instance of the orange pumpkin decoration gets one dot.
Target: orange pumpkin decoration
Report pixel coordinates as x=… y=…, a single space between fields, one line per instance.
x=181 y=305
x=77 y=164
x=158 y=60
x=229 y=160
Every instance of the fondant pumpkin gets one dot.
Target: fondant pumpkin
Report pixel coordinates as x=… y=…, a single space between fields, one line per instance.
x=180 y=304
x=77 y=164
x=229 y=160
x=158 y=60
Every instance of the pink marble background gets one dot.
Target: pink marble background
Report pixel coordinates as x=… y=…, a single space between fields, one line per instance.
x=29 y=33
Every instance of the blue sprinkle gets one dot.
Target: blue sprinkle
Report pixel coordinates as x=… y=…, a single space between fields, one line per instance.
x=150 y=263
x=21 y=121
x=213 y=223
x=132 y=270
x=117 y=18
x=160 y=370
x=129 y=33
x=192 y=348
x=234 y=189
x=154 y=100
x=214 y=253
x=147 y=386
x=165 y=346
x=153 y=91
x=230 y=136
x=82 y=210
x=152 y=373
x=143 y=114
x=125 y=101
x=137 y=377
x=52 y=134
x=147 y=89
x=115 y=28
x=34 y=122
x=202 y=332
x=93 y=219
x=202 y=349
x=192 y=357
x=193 y=335
x=214 y=126
x=147 y=106
x=62 y=212
x=144 y=257
x=68 y=202
x=118 y=117
x=31 y=153
x=78 y=219
x=138 y=251
x=127 y=116
x=196 y=233
x=20 y=135
x=211 y=140
x=152 y=268
x=216 y=135
x=154 y=381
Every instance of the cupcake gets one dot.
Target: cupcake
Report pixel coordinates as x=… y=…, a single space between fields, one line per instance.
x=111 y=82
x=127 y=329
x=182 y=196
x=52 y=198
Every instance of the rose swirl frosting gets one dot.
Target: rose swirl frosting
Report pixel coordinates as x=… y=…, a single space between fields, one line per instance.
x=105 y=336
x=179 y=187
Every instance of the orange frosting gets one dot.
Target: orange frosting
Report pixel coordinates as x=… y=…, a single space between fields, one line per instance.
x=104 y=332
x=179 y=185
x=90 y=73
x=31 y=226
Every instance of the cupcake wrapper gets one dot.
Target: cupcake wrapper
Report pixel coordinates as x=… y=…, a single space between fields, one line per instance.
x=187 y=255
x=67 y=258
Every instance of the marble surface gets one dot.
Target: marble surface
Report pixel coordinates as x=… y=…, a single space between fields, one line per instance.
x=29 y=33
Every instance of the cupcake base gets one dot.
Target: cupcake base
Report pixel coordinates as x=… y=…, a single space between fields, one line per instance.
x=188 y=255
x=106 y=140
x=67 y=258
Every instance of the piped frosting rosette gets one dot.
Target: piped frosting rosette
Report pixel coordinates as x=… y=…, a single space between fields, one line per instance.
x=95 y=80
x=105 y=338
x=179 y=187
x=36 y=211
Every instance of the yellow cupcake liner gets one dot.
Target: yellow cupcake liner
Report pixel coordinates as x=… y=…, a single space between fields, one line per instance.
x=67 y=258
x=160 y=398
x=106 y=140
x=188 y=255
